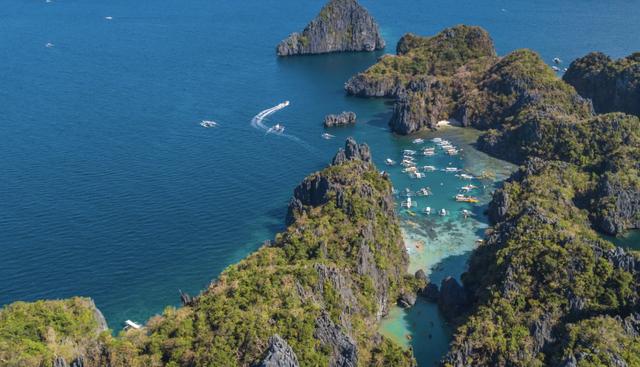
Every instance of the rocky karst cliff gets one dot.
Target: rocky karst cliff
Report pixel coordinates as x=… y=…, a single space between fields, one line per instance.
x=311 y=297
x=342 y=119
x=612 y=85
x=342 y=25
x=545 y=289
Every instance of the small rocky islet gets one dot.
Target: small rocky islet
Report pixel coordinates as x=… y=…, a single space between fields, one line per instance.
x=543 y=289
x=341 y=26
x=342 y=119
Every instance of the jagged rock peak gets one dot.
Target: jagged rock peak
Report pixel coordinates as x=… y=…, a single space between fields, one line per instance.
x=344 y=118
x=279 y=354
x=342 y=25
x=352 y=151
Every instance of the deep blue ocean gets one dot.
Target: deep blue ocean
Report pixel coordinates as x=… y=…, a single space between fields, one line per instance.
x=109 y=188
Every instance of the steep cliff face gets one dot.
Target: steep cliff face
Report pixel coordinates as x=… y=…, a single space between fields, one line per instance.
x=544 y=283
x=342 y=25
x=427 y=76
x=311 y=297
x=612 y=85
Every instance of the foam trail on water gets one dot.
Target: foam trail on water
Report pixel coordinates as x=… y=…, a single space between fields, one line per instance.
x=258 y=122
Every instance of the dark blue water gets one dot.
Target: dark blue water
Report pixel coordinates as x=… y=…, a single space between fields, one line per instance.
x=109 y=188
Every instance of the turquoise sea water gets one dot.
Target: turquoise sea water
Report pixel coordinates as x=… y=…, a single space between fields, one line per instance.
x=109 y=188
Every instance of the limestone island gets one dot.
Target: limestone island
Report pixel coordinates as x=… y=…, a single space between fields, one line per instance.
x=342 y=25
x=342 y=119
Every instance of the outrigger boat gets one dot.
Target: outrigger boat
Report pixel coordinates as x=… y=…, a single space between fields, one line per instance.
x=408 y=203
x=410 y=170
x=451 y=169
x=466 y=199
x=465 y=176
x=418 y=141
x=429 y=168
x=436 y=140
x=425 y=191
x=418 y=175
x=409 y=152
x=468 y=188
x=429 y=152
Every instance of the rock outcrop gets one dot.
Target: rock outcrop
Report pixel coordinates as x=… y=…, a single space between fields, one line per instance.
x=342 y=25
x=279 y=354
x=452 y=299
x=352 y=151
x=612 y=85
x=342 y=119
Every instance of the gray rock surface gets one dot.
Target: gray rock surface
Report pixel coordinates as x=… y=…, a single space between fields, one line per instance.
x=279 y=354
x=342 y=25
x=453 y=298
x=345 y=352
x=352 y=151
x=344 y=118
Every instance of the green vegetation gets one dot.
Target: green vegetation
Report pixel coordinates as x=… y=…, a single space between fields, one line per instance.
x=344 y=258
x=34 y=334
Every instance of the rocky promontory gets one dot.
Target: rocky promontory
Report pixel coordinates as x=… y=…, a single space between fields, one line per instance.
x=342 y=119
x=342 y=25
x=612 y=85
x=311 y=297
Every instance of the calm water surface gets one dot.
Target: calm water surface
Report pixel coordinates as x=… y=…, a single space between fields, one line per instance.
x=109 y=188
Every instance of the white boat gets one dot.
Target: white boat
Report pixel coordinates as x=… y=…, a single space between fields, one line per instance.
x=452 y=151
x=108 y=18
x=442 y=212
x=465 y=176
x=389 y=162
x=557 y=60
x=466 y=213
x=424 y=192
x=407 y=164
x=451 y=169
x=410 y=170
x=436 y=140
x=429 y=168
x=276 y=129
x=468 y=188
x=427 y=210
x=418 y=141
x=208 y=123
x=429 y=152
x=132 y=325
x=327 y=136
x=49 y=45
x=419 y=175
x=409 y=152
x=555 y=68
x=408 y=203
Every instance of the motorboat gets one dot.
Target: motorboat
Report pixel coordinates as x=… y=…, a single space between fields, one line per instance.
x=452 y=151
x=557 y=60
x=108 y=18
x=427 y=210
x=418 y=141
x=429 y=152
x=467 y=213
x=409 y=152
x=436 y=140
x=451 y=169
x=410 y=170
x=277 y=129
x=429 y=168
x=49 y=45
x=208 y=123
x=555 y=68
x=327 y=136
x=132 y=325
x=389 y=162
x=465 y=176
x=418 y=175
x=442 y=212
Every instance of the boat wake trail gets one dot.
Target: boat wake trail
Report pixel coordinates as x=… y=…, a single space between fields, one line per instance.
x=258 y=122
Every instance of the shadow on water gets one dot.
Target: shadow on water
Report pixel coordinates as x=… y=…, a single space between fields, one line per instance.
x=430 y=332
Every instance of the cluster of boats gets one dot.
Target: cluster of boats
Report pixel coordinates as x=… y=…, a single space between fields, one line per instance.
x=446 y=145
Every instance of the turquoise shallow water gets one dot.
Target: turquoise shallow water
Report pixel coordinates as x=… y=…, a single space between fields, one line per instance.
x=440 y=245
x=109 y=188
